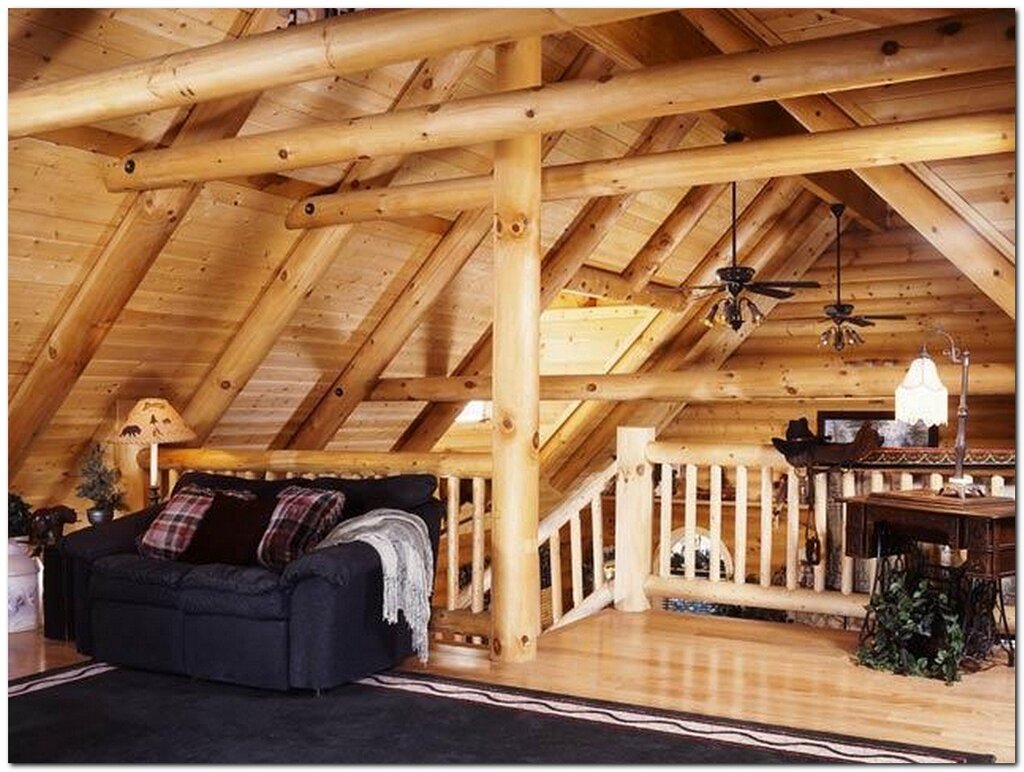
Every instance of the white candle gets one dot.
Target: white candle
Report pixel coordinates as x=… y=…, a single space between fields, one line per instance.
x=153 y=473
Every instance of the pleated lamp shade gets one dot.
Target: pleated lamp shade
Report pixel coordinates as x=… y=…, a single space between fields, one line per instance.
x=921 y=396
x=153 y=421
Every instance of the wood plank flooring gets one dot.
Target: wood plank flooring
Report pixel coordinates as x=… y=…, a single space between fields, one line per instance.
x=789 y=675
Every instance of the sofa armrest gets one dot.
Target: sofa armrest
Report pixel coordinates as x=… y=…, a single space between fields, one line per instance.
x=117 y=536
x=338 y=565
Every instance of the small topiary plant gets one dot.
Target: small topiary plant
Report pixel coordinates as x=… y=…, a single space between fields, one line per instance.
x=18 y=514
x=917 y=630
x=99 y=481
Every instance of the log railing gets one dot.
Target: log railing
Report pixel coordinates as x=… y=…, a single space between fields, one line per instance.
x=744 y=505
x=463 y=528
x=581 y=507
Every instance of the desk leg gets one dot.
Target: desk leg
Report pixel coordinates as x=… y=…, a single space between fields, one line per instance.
x=982 y=599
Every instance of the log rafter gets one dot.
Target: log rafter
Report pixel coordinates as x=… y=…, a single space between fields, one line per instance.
x=149 y=222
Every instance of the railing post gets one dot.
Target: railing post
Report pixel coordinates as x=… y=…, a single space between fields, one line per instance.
x=634 y=506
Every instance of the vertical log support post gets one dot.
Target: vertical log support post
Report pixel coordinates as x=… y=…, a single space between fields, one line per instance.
x=634 y=514
x=515 y=605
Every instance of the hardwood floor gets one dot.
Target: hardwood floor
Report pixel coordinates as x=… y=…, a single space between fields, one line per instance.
x=787 y=675
x=29 y=653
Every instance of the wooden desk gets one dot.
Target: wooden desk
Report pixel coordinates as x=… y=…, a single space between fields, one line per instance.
x=985 y=527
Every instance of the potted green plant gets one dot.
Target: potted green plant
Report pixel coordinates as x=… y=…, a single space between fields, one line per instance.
x=100 y=486
x=22 y=569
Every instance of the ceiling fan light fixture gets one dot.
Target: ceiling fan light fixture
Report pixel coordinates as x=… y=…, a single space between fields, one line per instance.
x=756 y=315
x=711 y=320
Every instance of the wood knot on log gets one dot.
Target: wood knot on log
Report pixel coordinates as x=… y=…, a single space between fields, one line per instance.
x=507 y=424
x=339 y=392
x=282 y=154
x=950 y=28
x=309 y=208
x=225 y=384
x=890 y=47
x=129 y=166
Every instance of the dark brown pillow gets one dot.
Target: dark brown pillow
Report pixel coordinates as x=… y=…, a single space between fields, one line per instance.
x=230 y=531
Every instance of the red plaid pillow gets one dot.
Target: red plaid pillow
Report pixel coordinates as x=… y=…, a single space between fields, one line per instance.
x=302 y=518
x=169 y=535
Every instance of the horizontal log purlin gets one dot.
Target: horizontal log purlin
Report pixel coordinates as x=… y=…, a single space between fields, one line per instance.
x=674 y=452
x=344 y=44
x=774 y=597
x=325 y=462
x=926 y=139
x=876 y=57
x=701 y=385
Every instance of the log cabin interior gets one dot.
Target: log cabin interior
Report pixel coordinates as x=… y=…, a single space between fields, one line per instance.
x=578 y=265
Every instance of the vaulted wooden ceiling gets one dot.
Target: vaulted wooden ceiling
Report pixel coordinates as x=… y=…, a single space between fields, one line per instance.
x=246 y=325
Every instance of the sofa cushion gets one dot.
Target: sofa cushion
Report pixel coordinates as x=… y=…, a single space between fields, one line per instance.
x=239 y=591
x=137 y=579
x=230 y=531
x=302 y=518
x=405 y=492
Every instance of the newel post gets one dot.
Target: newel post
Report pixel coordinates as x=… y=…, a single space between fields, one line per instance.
x=634 y=513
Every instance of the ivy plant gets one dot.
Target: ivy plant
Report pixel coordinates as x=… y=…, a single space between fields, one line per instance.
x=917 y=630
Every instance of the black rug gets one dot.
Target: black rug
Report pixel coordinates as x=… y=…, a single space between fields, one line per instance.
x=95 y=713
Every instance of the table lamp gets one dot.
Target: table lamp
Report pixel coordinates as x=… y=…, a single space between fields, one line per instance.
x=922 y=397
x=153 y=421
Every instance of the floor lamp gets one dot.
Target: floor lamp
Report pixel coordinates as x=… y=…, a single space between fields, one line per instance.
x=153 y=421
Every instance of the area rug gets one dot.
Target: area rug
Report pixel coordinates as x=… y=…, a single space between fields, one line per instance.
x=95 y=713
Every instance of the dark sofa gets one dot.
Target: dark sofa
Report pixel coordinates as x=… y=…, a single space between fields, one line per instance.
x=315 y=625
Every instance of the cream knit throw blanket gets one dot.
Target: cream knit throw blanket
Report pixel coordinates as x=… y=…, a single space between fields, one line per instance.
x=403 y=543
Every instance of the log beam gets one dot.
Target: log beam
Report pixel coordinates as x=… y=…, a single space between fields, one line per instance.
x=515 y=588
x=847 y=148
x=875 y=57
x=561 y=263
x=977 y=257
x=342 y=44
x=830 y=380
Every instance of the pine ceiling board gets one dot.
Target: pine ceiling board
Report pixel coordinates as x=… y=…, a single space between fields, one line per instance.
x=374 y=426
x=987 y=184
x=938 y=97
x=793 y=24
x=225 y=19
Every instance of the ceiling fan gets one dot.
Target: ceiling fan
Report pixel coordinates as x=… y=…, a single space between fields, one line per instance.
x=736 y=280
x=840 y=333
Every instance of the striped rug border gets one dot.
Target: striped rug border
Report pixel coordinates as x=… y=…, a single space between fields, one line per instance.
x=812 y=745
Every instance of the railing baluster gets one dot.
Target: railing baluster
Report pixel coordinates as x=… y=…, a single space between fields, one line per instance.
x=792 y=528
x=576 y=555
x=821 y=528
x=715 y=524
x=597 y=540
x=690 y=523
x=477 y=578
x=453 y=541
x=846 y=579
x=906 y=481
x=935 y=481
x=555 y=555
x=739 y=575
x=996 y=485
x=665 y=524
x=767 y=517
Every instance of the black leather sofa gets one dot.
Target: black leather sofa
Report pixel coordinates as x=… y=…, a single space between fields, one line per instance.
x=315 y=625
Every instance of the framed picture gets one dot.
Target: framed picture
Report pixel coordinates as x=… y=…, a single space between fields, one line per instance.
x=842 y=426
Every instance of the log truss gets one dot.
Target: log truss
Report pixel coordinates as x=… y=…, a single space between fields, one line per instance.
x=784 y=226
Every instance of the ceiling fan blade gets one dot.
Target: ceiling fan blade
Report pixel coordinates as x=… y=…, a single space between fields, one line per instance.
x=715 y=287
x=860 y=321
x=792 y=284
x=884 y=316
x=770 y=292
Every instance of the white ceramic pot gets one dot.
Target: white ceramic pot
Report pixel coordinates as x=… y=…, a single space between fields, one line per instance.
x=22 y=587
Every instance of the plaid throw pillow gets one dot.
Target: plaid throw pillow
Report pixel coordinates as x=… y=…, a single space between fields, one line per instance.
x=302 y=518
x=169 y=535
